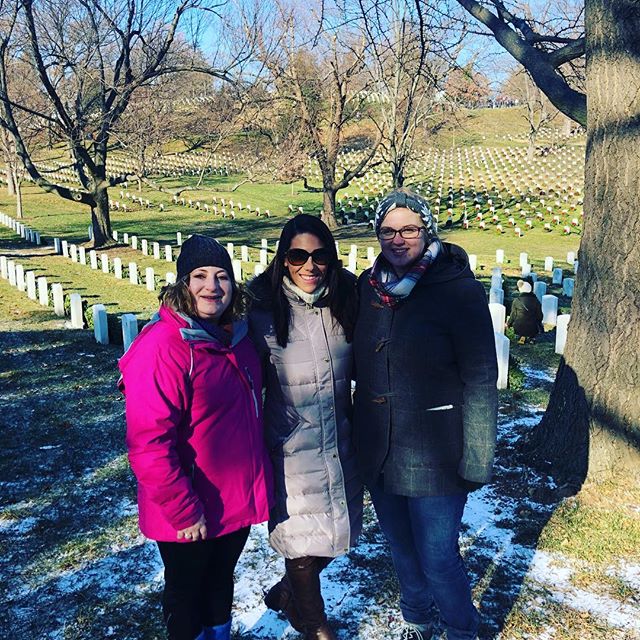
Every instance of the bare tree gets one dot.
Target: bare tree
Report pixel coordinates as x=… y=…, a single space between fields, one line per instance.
x=592 y=424
x=403 y=39
x=538 y=111
x=321 y=78
x=90 y=57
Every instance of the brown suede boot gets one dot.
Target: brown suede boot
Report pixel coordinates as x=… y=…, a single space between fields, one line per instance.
x=279 y=598
x=304 y=580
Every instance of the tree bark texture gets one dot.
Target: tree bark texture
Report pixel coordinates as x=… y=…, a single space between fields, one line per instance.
x=592 y=425
x=329 y=208
x=100 y=219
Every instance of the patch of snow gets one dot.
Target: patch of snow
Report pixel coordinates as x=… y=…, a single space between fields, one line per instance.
x=17 y=527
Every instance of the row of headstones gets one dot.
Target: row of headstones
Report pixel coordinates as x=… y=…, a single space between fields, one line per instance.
x=79 y=254
x=26 y=233
x=35 y=288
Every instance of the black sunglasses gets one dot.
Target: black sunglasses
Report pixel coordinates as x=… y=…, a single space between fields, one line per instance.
x=298 y=257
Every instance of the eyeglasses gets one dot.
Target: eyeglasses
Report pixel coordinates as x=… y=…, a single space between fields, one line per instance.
x=298 y=257
x=408 y=233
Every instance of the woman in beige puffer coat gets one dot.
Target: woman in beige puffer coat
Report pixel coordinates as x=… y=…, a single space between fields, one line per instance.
x=301 y=322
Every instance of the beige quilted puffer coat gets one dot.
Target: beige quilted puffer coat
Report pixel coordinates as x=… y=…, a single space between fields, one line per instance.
x=318 y=509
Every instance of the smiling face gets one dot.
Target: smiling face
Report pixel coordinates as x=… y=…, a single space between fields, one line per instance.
x=212 y=291
x=401 y=252
x=310 y=275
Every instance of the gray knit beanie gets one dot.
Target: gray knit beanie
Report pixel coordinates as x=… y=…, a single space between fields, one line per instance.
x=203 y=251
x=406 y=198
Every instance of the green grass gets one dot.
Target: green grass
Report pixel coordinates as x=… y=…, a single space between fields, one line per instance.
x=595 y=533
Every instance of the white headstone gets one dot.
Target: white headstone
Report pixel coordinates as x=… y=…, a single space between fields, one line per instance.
x=353 y=249
x=58 y=299
x=43 y=293
x=562 y=328
x=526 y=270
x=3 y=267
x=104 y=261
x=156 y=250
x=571 y=257
x=82 y=255
x=244 y=253
x=168 y=253
x=264 y=243
x=549 y=310
x=502 y=356
x=179 y=238
x=20 y=282
x=11 y=272
x=114 y=233
x=351 y=263
x=237 y=270
x=524 y=259
x=93 y=259
x=144 y=247
x=170 y=278
x=100 y=324
x=496 y=295
x=557 y=276
x=73 y=252
x=499 y=256
x=90 y=232
x=567 y=287
x=57 y=245
x=125 y=238
x=496 y=281
x=230 y=249
x=150 y=279
x=539 y=289
x=264 y=258
x=77 y=321
x=258 y=269
x=129 y=329
x=548 y=264
x=134 y=243
x=31 y=284
x=117 y=268
x=498 y=316
x=133 y=273
x=473 y=261
x=371 y=255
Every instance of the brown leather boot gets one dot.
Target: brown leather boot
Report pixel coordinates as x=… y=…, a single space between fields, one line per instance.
x=304 y=580
x=323 y=632
x=279 y=598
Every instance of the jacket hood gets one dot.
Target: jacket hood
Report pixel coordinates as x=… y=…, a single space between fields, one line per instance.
x=188 y=329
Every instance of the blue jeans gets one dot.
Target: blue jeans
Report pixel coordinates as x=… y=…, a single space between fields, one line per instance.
x=423 y=536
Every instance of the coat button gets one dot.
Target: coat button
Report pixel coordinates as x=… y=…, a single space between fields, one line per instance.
x=380 y=400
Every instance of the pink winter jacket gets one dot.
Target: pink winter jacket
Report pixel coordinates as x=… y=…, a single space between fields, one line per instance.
x=194 y=429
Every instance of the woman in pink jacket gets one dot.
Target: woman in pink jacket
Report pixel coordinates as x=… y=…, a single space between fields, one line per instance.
x=194 y=432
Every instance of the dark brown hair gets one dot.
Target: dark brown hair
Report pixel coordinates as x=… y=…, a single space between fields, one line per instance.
x=341 y=292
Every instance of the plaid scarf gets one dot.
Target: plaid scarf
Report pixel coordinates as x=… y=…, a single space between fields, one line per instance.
x=393 y=291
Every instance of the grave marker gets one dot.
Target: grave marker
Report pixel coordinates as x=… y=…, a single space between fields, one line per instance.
x=150 y=279
x=562 y=328
x=31 y=285
x=549 y=310
x=20 y=283
x=129 y=329
x=117 y=268
x=498 y=316
x=58 y=299
x=43 y=293
x=502 y=356
x=77 y=321
x=100 y=324
x=133 y=273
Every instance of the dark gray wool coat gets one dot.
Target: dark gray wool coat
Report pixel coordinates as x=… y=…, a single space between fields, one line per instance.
x=307 y=412
x=426 y=398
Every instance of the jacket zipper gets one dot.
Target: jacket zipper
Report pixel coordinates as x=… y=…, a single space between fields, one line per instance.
x=253 y=391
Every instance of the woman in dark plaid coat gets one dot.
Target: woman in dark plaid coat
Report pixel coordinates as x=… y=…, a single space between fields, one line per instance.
x=425 y=408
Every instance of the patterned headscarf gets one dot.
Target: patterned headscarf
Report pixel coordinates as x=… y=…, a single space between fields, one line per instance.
x=406 y=198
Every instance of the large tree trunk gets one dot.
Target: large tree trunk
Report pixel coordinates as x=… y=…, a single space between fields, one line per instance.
x=100 y=219
x=592 y=425
x=329 y=208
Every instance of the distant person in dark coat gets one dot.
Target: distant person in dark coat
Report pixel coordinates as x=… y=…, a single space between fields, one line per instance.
x=526 y=313
x=425 y=408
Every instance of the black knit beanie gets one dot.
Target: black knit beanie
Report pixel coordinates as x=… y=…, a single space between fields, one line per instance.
x=203 y=251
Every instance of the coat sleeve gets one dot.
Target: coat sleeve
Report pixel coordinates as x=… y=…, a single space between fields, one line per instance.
x=157 y=397
x=475 y=352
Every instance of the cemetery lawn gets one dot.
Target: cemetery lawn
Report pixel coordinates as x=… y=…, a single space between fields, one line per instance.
x=74 y=566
